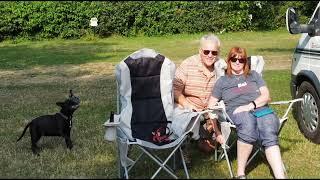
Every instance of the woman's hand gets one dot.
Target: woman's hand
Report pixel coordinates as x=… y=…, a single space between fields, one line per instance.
x=244 y=108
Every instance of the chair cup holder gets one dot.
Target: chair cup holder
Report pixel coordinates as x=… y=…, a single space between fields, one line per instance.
x=111 y=128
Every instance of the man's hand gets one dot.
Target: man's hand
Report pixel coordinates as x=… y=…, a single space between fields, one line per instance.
x=209 y=125
x=212 y=126
x=220 y=139
x=190 y=106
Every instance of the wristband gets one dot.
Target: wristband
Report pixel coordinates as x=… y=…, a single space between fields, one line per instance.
x=254 y=104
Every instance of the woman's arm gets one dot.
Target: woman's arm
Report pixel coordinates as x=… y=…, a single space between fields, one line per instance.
x=262 y=100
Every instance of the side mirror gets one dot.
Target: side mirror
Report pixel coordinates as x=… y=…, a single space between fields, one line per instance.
x=293 y=25
x=292 y=21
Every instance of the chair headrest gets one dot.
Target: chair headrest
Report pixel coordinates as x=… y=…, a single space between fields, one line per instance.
x=144 y=52
x=256 y=63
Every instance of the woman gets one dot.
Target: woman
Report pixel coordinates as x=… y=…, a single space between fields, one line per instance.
x=245 y=92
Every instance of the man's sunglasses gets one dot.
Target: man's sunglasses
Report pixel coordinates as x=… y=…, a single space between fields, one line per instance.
x=242 y=60
x=206 y=52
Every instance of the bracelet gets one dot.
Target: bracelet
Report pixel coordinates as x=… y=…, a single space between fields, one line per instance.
x=254 y=104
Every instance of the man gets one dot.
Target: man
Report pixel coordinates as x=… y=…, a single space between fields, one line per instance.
x=193 y=84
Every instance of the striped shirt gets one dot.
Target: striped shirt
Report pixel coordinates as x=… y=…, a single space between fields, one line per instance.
x=194 y=81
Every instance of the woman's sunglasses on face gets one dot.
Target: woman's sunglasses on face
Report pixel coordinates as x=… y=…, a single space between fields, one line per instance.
x=241 y=60
x=207 y=52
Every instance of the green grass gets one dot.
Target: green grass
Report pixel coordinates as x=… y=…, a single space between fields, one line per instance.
x=275 y=46
x=35 y=75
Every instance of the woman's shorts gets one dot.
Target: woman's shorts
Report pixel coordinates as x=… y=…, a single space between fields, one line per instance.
x=250 y=129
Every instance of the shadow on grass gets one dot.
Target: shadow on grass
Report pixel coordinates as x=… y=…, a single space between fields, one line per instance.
x=26 y=56
x=273 y=50
x=203 y=166
x=260 y=158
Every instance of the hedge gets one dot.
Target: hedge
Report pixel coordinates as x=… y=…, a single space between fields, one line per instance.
x=70 y=19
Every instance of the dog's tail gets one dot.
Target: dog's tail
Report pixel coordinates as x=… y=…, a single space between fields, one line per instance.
x=24 y=131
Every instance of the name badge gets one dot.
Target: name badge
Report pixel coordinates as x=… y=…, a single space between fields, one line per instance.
x=242 y=84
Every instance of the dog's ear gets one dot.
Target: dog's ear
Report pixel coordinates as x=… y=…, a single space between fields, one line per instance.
x=60 y=103
x=71 y=93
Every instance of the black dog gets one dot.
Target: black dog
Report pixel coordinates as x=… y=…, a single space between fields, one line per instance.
x=58 y=124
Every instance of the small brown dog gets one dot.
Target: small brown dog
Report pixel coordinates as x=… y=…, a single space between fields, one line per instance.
x=207 y=145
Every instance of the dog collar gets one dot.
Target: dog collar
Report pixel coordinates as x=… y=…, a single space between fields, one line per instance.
x=65 y=117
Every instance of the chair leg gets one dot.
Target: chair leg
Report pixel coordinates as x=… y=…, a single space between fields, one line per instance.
x=216 y=154
x=254 y=155
x=184 y=163
x=284 y=170
x=162 y=165
x=228 y=162
x=122 y=173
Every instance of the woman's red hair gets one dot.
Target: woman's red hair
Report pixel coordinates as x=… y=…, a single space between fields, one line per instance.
x=242 y=53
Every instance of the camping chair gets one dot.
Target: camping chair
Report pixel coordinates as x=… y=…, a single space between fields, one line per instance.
x=227 y=125
x=145 y=111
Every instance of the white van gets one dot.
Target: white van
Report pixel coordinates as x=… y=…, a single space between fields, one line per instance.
x=305 y=73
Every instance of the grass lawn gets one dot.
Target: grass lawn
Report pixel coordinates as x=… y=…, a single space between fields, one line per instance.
x=35 y=75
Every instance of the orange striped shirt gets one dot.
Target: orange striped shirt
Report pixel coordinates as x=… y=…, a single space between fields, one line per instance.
x=194 y=81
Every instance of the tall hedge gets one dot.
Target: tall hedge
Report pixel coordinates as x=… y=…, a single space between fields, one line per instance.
x=70 y=19
x=46 y=19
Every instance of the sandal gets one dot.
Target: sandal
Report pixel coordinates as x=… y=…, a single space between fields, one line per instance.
x=241 y=177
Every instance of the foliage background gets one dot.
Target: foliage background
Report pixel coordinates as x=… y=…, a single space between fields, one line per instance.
x=37 y=20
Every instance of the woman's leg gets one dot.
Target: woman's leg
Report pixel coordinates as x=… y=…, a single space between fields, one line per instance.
x=268 y=127
x=274 y=158
x=243 y=153
x=247 y=135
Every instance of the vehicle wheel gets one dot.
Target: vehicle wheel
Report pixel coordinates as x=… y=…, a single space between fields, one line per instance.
x=308 y=112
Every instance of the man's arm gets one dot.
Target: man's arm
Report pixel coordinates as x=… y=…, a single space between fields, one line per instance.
x=181 y=99
x=179 y=85
x=211 y=103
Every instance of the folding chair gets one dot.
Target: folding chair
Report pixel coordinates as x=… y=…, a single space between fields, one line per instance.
x=144 y=105
x=227 y=125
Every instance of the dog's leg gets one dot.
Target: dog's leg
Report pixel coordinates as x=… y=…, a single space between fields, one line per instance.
x=68 y=140
x=34 y=139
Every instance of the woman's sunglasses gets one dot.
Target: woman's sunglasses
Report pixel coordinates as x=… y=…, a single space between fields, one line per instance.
x=206 y=52
x=241 y=60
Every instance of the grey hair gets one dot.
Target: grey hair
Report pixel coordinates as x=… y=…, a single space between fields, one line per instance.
x=210 y=37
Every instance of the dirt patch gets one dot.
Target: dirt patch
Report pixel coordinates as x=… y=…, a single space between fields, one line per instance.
x=60 y=73
x=91 y=71
x=278 y=65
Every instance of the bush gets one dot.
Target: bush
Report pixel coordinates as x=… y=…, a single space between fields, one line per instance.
x=46 y=19
x=70 y=19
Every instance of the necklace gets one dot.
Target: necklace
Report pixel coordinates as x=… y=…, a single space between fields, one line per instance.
x=238 y=77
